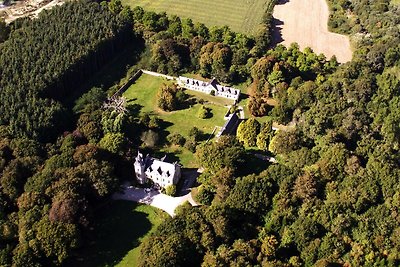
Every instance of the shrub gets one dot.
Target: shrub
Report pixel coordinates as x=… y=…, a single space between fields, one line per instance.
x=176 y=139
x=170 y=190
x=149 y=138
x=154 y=122
x=204 y=112
x=195 y=133
x=204 y=195
x=191 y=144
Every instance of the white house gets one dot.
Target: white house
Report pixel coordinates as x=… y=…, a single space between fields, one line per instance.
x=160 y=172
x=209 y=87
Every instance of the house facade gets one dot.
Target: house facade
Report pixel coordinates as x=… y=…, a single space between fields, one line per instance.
x=212 y=87
x=159 y=171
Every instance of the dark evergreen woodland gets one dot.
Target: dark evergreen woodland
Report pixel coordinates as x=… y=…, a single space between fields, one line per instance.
x=47 y=59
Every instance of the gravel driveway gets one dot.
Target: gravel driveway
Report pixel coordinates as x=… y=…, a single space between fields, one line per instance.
x=153 y=198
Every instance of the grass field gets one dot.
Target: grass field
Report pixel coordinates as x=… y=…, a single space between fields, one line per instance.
x=121 y=227
x=240 y=15
x=144 y=93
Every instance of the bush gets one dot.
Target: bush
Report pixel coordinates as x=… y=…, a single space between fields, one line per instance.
x=154 y=122
x=204 y=195
x=176 y=139
x=149 y=138
x=204 y=113
x=170 y=190
x=191 y=144
x=195 y=133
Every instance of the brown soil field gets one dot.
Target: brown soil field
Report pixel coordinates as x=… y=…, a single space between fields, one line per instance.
x=306 y=23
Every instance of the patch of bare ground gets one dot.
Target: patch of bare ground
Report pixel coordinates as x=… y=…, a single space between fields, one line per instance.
x=29 y=8
x=306 y=23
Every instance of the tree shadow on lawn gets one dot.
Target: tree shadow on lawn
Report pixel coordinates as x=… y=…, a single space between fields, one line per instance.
x=133 y=108
x=252 y=165
x=162 y=132
x=113 y=71
x=187 y=104
x=169 y=157
x=244 y=96
x=117 y=231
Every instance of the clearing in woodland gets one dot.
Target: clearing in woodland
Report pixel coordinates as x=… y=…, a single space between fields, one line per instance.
x=306 y=23
x=240 y=15
x=144 y=94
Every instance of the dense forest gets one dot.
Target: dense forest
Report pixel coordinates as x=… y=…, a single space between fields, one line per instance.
x=52 y=178
x=332 y=199
x=44 y=61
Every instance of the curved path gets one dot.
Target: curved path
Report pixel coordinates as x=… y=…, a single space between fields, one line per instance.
x=306 y=22
x=153 y=198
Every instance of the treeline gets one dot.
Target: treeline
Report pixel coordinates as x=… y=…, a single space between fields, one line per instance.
x=177 y=45
x=46 y=60
x=363 y=16
x=49 y=191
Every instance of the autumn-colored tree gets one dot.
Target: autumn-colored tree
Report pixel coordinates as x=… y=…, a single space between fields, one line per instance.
x=248 y=131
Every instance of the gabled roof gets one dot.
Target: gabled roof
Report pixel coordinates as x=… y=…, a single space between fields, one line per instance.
x=160 y=166
x=213 y=83
x=230 y=125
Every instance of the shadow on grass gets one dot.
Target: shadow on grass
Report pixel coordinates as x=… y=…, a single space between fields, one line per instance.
x=252 y=165
x=244 y=96
x=162 y=131
x=118 y=230
x=134 y=109
x=112 y=72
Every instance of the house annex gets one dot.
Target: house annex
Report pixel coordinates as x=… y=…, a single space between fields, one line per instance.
x=209 y=87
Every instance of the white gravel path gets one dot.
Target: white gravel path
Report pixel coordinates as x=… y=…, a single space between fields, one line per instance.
x=153 y=198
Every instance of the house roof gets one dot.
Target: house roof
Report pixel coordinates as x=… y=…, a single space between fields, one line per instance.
x=214 y=84
x=157 y=165
x=230 y=125
x=163 y=168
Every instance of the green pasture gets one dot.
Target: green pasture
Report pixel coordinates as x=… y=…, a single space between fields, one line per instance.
x=240 y=15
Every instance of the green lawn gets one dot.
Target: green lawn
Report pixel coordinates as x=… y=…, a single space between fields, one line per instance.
x=121 y=226
x=144 y=93
x=241 y=16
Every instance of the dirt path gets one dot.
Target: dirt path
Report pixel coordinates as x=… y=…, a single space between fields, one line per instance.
x=30 y=8
x=306 y=22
